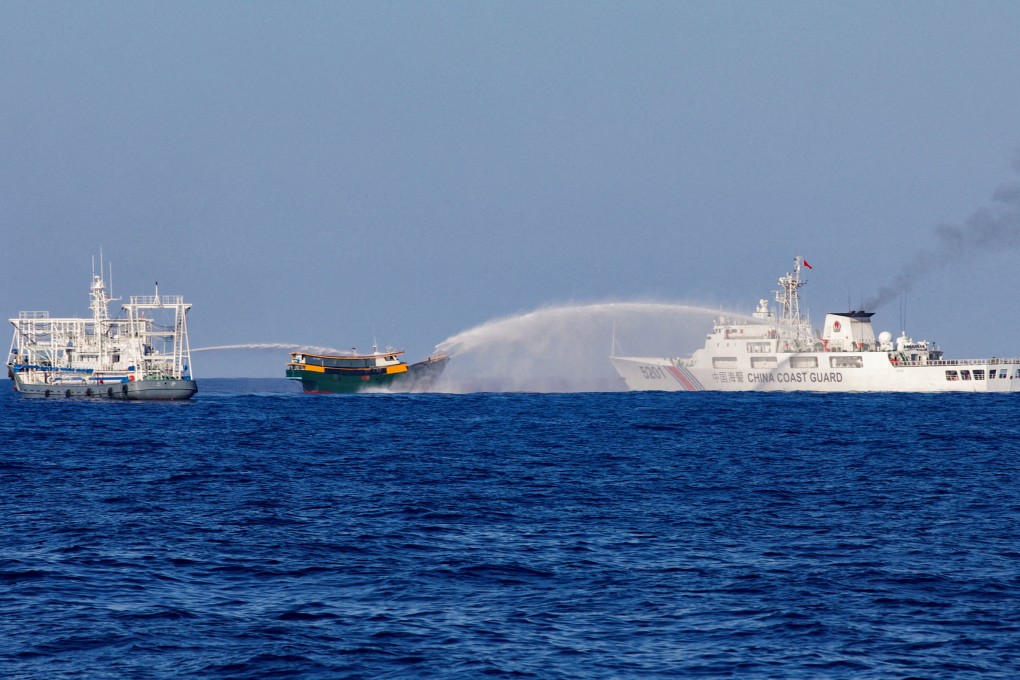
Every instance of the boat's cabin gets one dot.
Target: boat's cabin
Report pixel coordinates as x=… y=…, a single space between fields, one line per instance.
x=353 y=360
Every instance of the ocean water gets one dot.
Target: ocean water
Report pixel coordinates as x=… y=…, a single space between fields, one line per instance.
x=255 y=532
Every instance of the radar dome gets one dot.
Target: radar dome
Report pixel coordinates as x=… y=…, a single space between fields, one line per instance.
x=884 y=337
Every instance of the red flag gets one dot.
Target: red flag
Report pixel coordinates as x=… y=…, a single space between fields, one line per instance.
x=806 y=264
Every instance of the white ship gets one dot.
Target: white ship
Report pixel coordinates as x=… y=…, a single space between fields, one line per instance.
x=142 y=355
x=767 y=352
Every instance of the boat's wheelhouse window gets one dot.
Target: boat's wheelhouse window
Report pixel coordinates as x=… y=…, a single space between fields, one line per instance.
x=965 y=375
x=764 y=362
x=724 y=362
x=346 y=363
x=803 y=362
x=979 y=374
x=846 y=362
x=952 y=375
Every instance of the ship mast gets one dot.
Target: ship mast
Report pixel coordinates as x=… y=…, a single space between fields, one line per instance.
x=788 y=298
x=100 y=302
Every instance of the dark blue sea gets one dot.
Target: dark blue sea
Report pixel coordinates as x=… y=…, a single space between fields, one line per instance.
x=256 y=532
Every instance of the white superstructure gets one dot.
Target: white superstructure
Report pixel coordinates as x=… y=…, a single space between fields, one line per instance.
x=767 y=352
x=144 y=354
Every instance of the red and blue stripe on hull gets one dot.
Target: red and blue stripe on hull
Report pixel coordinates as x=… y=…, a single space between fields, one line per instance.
x=685 y=378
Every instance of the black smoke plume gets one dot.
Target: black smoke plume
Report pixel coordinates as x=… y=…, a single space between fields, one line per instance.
x=996 y=226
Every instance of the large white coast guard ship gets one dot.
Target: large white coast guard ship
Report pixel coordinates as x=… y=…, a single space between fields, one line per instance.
x=144 y=354
x=780 y=353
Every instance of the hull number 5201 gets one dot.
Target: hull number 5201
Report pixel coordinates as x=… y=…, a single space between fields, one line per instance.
x=653 y=373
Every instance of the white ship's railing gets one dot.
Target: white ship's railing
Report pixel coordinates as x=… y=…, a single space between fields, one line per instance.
x=960 y=362
x=137 y=343
x=162 y=338
x=157 y=300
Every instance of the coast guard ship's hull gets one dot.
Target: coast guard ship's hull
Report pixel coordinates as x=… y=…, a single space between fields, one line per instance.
x=875 y=374
x=770 y=353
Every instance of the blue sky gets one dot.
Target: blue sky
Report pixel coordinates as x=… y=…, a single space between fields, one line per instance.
x=329 y=173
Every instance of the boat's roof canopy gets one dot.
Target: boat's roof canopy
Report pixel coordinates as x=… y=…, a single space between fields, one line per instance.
x=375 y=355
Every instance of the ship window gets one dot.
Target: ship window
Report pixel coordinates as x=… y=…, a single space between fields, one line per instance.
x=724 y=362
x=991 y=374
x=764 y=362
x=979 y=374
x=965 y=375
x=803 y=362
x=952 y=375
x=846 y=362
x=1002 y=373
x=755 y=347
x=346 y=363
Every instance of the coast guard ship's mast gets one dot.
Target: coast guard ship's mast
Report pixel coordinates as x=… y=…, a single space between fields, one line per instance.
x=788 y=298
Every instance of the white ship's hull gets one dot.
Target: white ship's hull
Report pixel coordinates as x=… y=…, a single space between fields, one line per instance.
x=141 y=390
x=875 y=373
